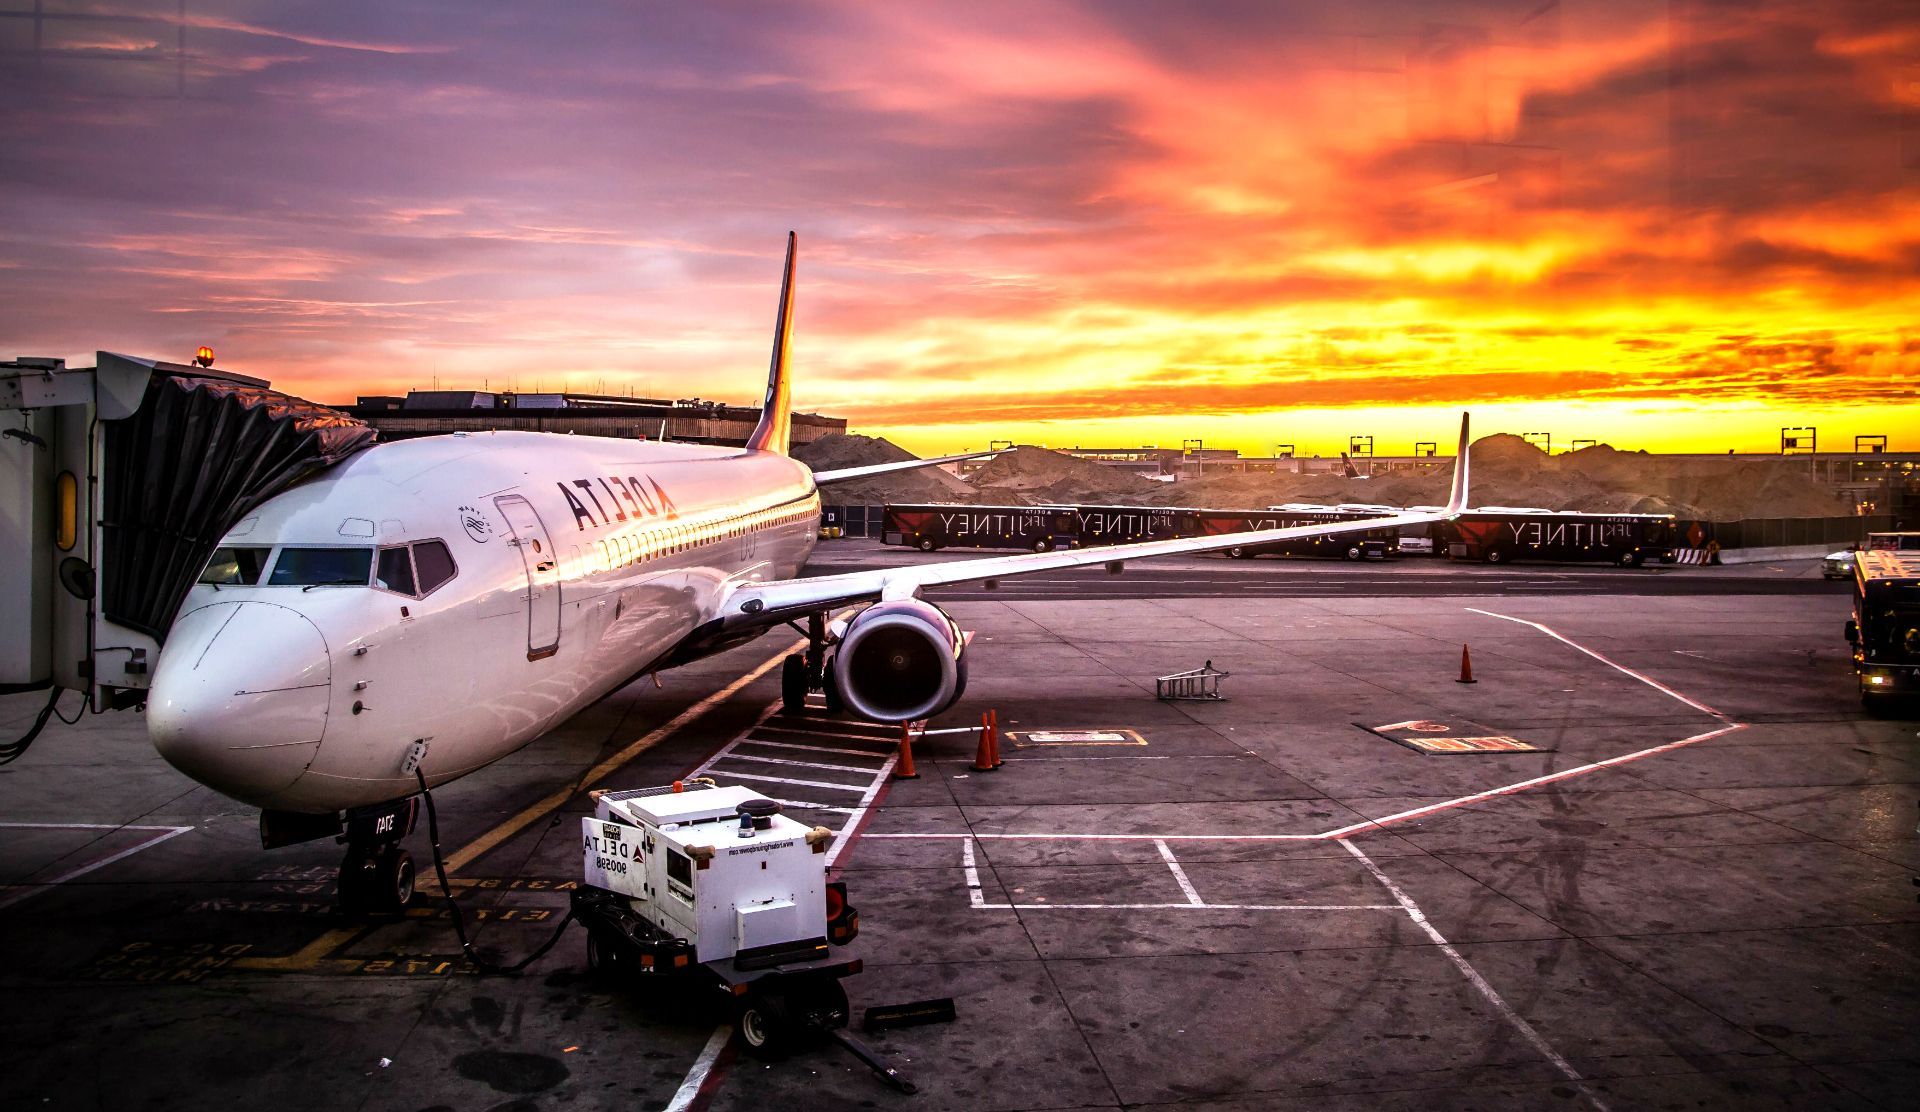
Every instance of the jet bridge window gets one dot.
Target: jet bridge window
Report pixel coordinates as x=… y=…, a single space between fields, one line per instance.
x=322 y=567
x=236 y=566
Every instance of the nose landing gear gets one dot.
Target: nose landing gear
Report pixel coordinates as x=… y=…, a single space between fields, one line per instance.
x=808 y=671
x=377 y=876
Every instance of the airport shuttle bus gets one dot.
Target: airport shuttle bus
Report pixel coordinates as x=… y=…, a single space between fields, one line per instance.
x=1894 y=542
x=934 y=526
x=1126 y=524
x=1498 y=536
x=1374 y=543
x=1885 y=627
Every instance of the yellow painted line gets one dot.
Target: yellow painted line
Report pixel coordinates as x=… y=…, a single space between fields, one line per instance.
x=467 y=854
x=307 y=957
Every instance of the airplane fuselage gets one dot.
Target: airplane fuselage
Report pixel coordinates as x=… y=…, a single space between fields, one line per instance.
x=336 y=640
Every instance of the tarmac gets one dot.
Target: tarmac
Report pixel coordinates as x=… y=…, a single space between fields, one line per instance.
x=1694 y=890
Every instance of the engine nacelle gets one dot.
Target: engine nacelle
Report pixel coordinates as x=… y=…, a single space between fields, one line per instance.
x=900 y=661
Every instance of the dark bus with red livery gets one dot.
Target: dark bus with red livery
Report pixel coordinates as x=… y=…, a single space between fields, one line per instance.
x=1500 y=535
x=934 y=526
x=1126 y=524
x=1374 y=543
x=1885 y=628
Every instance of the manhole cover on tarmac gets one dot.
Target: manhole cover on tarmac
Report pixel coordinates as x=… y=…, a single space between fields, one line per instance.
x=1449 y=736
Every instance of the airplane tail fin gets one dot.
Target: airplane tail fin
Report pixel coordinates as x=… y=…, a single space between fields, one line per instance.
x=1346 y=465
x=774 y=432
x=1457 y=500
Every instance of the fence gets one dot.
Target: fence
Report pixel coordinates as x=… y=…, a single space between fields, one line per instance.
x=1787 y=532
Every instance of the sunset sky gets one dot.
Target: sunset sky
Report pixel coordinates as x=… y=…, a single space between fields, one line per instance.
x=1674 y=226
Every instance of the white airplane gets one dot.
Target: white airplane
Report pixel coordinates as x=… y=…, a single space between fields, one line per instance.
x=438 y=603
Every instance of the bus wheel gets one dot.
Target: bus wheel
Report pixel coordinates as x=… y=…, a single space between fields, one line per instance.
x=1354 y=552
x=1239 y=552
x=926 y=544
x=1630 y=559
x=1044 y=544
x=1495 y=556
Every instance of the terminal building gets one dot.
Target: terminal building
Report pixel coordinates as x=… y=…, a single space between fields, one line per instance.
x=431 y=412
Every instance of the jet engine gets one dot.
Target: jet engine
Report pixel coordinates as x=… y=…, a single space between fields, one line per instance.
x=900 y=661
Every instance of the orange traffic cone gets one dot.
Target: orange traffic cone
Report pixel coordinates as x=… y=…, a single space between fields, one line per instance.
x=983 y=754
x=1466 y=667
x=993 y=727
x=905 y=770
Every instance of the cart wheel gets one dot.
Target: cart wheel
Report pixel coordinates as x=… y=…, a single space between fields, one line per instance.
x=766 y=1025
x=824 y=1003
x=793 y=685
x=604 y=955
x=927 y=545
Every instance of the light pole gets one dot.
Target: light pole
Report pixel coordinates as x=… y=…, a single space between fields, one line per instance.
x=1540 y=440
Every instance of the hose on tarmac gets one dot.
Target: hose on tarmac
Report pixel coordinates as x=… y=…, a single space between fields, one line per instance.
x=453 y=907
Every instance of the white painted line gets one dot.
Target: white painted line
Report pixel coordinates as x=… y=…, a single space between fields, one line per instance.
x=874 y=754
x=1186 y=907
x=703 y=1065
x=26 y=891
x=732 y=775
x=1621 y=668
x=83 y=826
x=851 y=828
x=1177 y=757
x=1474 y=978
x=972 y=871
x=1179 y=874
x=736 y=755
x=878 y=739
x=1565 y=774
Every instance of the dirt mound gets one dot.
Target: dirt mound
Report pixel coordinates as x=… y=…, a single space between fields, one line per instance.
x=1508 y=471
x=926 y=484
x=1031 y=476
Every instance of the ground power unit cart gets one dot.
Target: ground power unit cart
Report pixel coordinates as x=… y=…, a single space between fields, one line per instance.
x=715 y=886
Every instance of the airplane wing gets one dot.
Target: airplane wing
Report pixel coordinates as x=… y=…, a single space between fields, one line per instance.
x=758 y=604
x=828 y=478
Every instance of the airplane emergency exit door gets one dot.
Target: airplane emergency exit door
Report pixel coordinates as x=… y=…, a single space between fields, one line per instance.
x=543 y=574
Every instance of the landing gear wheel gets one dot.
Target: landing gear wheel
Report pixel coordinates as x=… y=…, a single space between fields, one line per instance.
x=793 y=684
x=766 y=1025
x=830 y=694
x=380 y=881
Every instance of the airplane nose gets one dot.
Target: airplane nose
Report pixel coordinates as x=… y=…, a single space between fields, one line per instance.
x=239 y=699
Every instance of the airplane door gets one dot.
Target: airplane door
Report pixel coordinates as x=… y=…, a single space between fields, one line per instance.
x=543 y=574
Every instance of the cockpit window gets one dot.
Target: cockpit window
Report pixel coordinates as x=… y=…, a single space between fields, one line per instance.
x=434 y=563
x=395 y=571
x=236 y=566
x=322 y=567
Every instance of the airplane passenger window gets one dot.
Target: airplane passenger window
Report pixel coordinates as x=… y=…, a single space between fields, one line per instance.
x=236 y=566
x=434 y=563
x=321 y=567
x=395 y=571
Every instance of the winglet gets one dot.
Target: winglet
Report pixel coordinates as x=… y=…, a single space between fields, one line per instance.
x=774 y=431
x=1457 y=501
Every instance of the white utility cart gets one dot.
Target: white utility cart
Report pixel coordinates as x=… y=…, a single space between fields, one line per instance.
x=717 y=886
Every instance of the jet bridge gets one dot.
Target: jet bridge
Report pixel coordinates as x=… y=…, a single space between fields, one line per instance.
x=116 y=483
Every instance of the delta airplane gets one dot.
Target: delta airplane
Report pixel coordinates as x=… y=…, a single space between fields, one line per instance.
x=429 y=606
